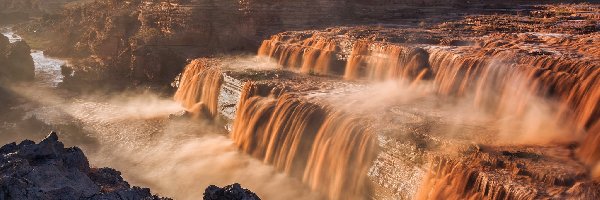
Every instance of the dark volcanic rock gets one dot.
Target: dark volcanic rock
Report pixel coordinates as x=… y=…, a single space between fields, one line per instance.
x=230 y=192
x=47 y=170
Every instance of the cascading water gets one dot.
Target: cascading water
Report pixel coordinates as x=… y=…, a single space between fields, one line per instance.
x=489 y=70
x=199 y=88
x=493 y=75
x=329 y=151
x=312 y=55
x=382 y=62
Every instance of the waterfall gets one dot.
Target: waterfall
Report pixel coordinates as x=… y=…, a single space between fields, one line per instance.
x=199 y=87
x=330 y=151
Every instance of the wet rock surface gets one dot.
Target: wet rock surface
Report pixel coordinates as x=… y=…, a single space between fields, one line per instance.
x=230 y=192
x=48 y=170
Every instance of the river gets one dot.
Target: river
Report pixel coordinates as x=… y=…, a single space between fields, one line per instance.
x=132 y=132
x=47 y=70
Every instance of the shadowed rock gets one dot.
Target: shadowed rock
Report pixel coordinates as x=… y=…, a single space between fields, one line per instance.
x=47 y=170
x=230 y=192
x=16 y=63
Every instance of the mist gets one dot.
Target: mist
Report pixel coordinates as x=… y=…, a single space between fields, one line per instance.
x=515 y=115
x=131 y=132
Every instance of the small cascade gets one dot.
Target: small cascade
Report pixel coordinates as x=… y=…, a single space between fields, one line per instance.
x=313 y=55
x=507 y=82
x=331 y=152
x=450 y=179
x=589 y=152
x=199 y=87
x=503 y=174
x=340 y=158
x=383 y=62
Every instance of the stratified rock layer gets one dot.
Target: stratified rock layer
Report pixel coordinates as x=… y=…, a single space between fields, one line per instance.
x=47 y=170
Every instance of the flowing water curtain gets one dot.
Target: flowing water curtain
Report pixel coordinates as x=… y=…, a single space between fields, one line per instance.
x=329 y=151
x=199 y=87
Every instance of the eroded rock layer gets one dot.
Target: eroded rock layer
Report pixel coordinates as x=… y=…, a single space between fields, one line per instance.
x=149 y=41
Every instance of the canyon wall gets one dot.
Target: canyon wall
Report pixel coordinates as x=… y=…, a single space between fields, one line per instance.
x=149 y=41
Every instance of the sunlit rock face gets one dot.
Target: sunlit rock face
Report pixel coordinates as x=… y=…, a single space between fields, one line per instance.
x=16 y=63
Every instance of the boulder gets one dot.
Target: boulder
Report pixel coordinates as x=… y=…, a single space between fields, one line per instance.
x=230 y=192
x=48 y=170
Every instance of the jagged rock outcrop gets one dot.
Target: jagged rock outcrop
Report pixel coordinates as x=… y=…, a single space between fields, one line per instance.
x=16 y=63
x=230 y=192
x=47 y=170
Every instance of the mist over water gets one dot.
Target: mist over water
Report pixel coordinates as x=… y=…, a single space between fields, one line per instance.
x=176 y=158
x=522 y=118
x=131 y=132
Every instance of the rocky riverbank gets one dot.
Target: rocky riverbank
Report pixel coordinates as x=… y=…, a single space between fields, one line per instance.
x=48 y=170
